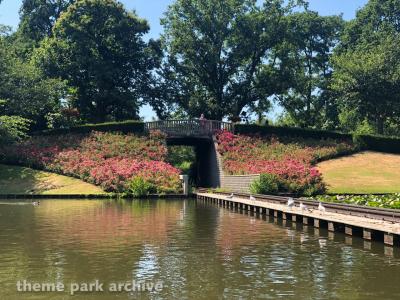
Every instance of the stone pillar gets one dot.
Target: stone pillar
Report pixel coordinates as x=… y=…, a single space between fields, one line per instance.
x=185 y=184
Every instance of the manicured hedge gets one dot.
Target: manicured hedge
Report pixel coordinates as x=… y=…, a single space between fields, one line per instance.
x=125 y=127
x=289 y=131
x=378 y=143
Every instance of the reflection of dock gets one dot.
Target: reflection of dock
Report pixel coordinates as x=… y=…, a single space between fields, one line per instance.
x=367 y=228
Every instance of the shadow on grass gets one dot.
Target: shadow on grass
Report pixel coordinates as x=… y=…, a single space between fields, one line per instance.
x=20 y=180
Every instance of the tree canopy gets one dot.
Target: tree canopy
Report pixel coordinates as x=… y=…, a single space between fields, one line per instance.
x=72 y=61
x=367 y=64
x=305 y=61
x=23 y=87
x=97 y=47
x=215 y=51
x=38 y=17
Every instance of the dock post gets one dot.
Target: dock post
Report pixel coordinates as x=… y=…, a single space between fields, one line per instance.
x=388 y=239
x=348 y=230
x=367 y=234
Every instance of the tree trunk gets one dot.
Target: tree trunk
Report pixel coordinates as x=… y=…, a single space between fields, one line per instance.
x=380 y=124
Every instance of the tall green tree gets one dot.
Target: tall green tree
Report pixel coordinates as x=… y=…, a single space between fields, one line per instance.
x=367 y=79
x=23 y=87
x=305 y=66
x=367 y=64
x=98 y=47
x=215 y=50
x=39 y=16
x=375 y=18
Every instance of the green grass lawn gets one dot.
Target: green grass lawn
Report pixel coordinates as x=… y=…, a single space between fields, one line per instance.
x=365 y=172
x=20 y=180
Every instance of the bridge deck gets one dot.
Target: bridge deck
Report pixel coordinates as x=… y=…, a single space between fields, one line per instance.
x=189 y=128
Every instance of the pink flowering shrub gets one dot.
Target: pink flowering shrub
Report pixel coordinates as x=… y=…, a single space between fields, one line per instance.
x=109 y=160
x=291 y=160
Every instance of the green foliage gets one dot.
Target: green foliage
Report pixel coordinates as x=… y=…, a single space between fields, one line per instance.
x=381 y=201
x=27 y=93
x=367 y=78
x=270 y=184
x=306 y=68
x=65 y=118
x=215 y=52
x=367 y=64
x=139 y=187
x=219 y=190
x=125 y=127
x=374 y=19
x=98 y=47
x=364 y=128
x=38 y=17
x=13 y=128
x=266 y=184
x=378 y=143
x=290 y=131
x=227 y=58
x=181 y=157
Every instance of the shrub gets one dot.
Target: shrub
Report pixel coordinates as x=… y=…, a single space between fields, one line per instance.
x=139 y=187
x=266 y=184
x=381 y=201
x=106 y=159
x=378 y=143
x=289 y=159
x=266 y=130
x=13 y=128
x=125 y=127
x=65 y=118
x=362 y=140
x=182 y=157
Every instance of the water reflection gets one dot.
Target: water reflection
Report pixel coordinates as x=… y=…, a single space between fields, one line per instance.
x=197 y=250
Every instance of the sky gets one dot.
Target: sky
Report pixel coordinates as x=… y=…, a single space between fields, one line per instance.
x=153 y=10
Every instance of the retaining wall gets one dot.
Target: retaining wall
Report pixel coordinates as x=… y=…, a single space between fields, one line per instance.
x=238 y=183
x=233 y=183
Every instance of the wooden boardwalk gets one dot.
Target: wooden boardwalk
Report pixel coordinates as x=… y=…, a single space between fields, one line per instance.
x=367 y=228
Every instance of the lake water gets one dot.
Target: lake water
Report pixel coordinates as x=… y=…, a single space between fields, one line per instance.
x=191 y=250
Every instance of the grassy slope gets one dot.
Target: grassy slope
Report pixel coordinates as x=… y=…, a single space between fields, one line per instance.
x=19 y=180
x=366 y=172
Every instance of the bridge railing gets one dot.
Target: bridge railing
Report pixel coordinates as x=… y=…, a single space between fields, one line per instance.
x=195 y=127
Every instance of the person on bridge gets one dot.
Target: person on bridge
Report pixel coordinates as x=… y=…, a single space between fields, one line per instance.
x=203 y=121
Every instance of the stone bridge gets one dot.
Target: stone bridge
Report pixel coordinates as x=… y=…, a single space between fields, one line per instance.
x=195 y=128
x=200 y=134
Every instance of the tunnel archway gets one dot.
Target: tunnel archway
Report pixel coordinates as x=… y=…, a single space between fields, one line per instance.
x=200 y=134
x=207 y=170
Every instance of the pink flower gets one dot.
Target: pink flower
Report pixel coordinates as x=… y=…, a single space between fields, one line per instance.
x=106 y=159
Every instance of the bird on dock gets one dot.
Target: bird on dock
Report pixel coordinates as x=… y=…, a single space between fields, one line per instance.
x=230 y=196
x=36 y=203
x=321 y=208
x=252 y=198
x=303 y=206
x=290 y=203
